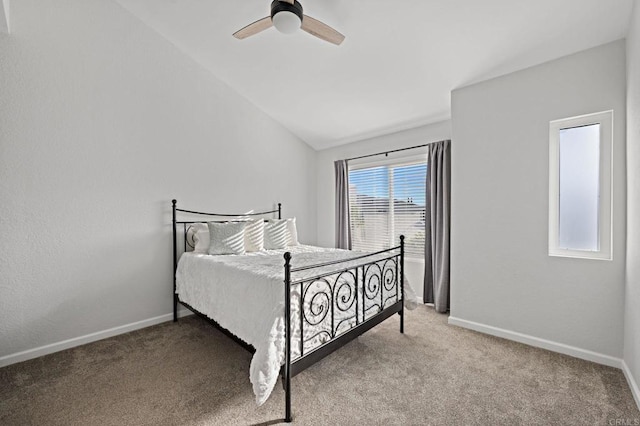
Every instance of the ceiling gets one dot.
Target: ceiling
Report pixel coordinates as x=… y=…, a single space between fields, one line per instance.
x=399 y=61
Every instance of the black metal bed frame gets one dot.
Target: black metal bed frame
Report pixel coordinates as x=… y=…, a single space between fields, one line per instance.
x=343 y=288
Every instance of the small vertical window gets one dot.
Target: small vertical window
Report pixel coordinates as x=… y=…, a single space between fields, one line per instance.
x=580 y=186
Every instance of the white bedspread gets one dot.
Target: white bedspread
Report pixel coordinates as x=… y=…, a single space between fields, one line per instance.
x=245 y=295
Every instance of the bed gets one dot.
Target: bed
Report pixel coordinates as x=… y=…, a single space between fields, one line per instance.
x=290 y=306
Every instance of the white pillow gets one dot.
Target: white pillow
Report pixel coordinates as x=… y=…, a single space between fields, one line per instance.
x=254 y=235
x=293 y=232
x=226 y=238
x=198 y=236
x=198 y=233
x=280 y=233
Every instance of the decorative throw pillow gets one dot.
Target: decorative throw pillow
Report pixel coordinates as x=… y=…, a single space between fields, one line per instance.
x=198 y=237
x=275 y=234
x=280 y=233
x=226 y=238
x=254 y=235
x=293 y=232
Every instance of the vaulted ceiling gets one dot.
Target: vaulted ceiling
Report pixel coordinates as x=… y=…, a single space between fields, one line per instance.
x=399 y=61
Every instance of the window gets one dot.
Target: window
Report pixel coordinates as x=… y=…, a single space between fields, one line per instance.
x=386 y=200
x=580 y=186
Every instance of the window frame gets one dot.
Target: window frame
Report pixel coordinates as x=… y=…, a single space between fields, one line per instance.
x=605 y=189
x=392 y=162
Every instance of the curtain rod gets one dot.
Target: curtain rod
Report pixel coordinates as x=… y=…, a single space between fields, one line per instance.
x=389 y=152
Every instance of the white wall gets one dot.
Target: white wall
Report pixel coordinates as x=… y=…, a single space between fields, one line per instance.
x=326 y=179
x=502 y=280
x=632 y=294
x=4 y=16
x=102 y=123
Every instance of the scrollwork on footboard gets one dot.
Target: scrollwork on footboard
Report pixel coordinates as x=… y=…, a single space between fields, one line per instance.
x=382 y=285
x=333 y=303
x=329 y=309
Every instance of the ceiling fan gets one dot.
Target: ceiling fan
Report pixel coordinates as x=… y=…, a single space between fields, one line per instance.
x=287 y=17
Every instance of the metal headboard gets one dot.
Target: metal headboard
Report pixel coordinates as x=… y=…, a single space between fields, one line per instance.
x=190 y=222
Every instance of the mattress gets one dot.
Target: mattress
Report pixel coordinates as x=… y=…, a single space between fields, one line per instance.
x=245 y=295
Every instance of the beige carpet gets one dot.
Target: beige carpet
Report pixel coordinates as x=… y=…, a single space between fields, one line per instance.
x=190 y=374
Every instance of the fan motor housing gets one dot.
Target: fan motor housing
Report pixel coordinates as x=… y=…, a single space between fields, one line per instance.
x=278 y=6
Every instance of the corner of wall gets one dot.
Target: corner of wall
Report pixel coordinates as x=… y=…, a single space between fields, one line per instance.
x=631 y=353
x=4 y=17
x=633 y=384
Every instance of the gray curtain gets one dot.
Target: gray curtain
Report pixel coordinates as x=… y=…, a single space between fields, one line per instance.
x=343 y=230
x=438 y=224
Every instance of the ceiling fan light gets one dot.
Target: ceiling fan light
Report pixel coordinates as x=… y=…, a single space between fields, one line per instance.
x=286 y=16
x=286 y=22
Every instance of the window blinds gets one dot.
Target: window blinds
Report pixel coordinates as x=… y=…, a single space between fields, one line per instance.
x=387 y=201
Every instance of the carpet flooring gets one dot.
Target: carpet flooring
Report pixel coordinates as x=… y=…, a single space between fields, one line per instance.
x=191 y=374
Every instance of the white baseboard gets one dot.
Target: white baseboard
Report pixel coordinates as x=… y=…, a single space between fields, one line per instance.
x=635 y=390
x=82 y=340
x=539 y=343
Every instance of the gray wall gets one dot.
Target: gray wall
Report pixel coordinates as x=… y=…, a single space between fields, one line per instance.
x=632 y=295
x=326 y=179
x=102 y=123
x=502 y=279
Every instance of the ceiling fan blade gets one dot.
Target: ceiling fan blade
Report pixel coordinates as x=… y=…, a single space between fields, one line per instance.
x=321 y=30
x=254 y=28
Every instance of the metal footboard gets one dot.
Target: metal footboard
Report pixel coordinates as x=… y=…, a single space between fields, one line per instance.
x=341 y=301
